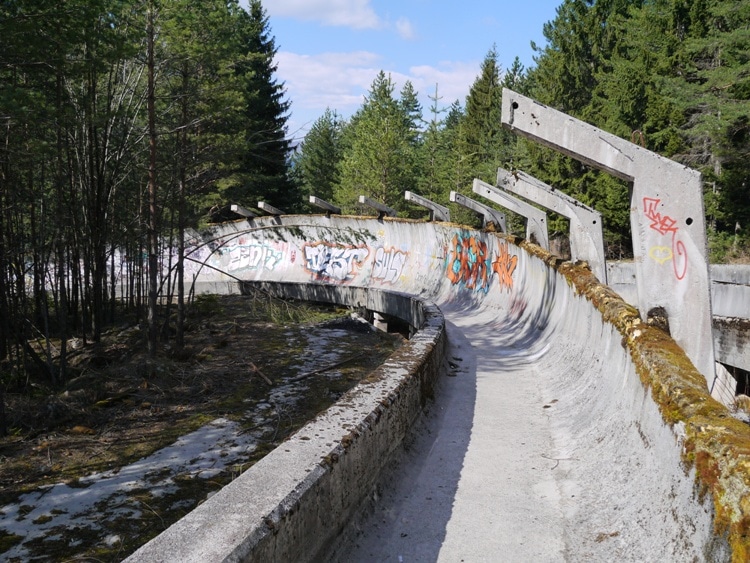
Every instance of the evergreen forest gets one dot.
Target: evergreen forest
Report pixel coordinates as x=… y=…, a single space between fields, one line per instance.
x=127 y=122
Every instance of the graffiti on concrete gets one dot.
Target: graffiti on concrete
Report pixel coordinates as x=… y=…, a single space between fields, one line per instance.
x=469 y=263
x=388 y=265
x=504 y=265
x=660 y=254
x=666 y=225
x=252 y=257
x=334 y=262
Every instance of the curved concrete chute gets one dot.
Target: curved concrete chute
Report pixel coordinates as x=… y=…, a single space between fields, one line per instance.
x=564 y=427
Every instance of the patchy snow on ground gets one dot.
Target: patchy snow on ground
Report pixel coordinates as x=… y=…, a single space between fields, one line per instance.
x=200 y=454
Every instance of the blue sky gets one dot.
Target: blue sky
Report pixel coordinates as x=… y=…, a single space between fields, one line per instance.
x=331 y=50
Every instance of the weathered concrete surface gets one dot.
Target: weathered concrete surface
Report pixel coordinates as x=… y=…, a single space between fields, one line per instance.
x=666 y=217
x=730 y=295
x=295 y=500
x=571 y=430
x=730 y=287
x=536 y=219
x=586 y=227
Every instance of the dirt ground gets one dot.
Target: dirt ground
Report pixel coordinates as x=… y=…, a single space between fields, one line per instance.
x=114 y=412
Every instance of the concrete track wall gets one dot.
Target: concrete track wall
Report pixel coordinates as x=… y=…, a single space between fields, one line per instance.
x=645 y=454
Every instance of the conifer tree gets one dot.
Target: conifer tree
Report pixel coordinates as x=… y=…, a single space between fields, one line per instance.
x=482 y=139
x=265 y=168
x=434 y=181
x=319 y=155
x=378 y=159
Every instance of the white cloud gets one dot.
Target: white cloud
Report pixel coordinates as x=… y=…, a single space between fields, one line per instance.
x=335 y=80
x=453 y=80
x=405 y=29
x=357 y=14
x=341 y=80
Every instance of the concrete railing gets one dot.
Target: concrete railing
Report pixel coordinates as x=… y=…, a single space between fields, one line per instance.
x=294 y=502
x=678 y=459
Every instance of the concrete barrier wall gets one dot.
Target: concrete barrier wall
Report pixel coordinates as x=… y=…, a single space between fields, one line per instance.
x=730 y=287
x=292 y=503
x=632 y=410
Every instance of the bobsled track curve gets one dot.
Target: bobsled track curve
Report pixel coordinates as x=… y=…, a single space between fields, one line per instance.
x=544 y=420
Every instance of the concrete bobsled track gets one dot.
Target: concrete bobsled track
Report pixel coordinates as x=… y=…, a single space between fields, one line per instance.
x=561 y=428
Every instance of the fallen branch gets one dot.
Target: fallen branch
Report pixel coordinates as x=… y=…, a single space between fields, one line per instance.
x=256 y=369
x=326 y=368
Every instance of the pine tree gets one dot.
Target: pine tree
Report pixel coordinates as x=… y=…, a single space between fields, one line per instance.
x=379 y=156
x=319 y=155
x=434 y=181
x=265 y=169
x=482 y=139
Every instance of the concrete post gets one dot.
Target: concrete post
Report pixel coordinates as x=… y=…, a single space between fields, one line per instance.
x=270 y=209
x=586 y=235
x=487 y=213
x=379 y=207
x=666 y=217
x=323 y=204
x=536 y=219
x=437 y=212
x=239 y=210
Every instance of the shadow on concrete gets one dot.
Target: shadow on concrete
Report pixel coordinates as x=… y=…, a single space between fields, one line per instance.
x=407 y=514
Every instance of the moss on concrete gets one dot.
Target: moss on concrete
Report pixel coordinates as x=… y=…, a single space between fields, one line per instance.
x=716 y=444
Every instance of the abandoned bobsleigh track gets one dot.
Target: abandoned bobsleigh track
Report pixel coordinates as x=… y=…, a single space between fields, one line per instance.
x=558 y=425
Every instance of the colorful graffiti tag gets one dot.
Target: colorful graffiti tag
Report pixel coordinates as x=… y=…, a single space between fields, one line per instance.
x=469 y=263
x=333 y=262
x=253 y=257
x=388 y=264
x=504 y=265
x=665 y=225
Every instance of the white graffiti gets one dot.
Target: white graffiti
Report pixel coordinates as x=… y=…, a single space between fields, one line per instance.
x=388 y=264
x=337 y=263
x=253 y=257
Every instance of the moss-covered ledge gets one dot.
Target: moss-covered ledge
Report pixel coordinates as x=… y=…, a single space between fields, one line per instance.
x=715 y=443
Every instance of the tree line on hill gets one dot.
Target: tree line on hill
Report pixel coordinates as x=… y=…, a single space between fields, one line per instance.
x=124 y=122
x=672 y=74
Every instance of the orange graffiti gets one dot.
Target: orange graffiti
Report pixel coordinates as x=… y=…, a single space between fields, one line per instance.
x=468 y=263
x=503 y=266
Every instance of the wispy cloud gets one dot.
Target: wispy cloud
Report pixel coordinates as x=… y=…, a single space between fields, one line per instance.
x=341 y=80
x=453 y=80
x=357 y=14
x=335 y=80
x=405 y=29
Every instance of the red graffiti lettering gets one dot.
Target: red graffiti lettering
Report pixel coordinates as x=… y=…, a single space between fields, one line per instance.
x=664 y=224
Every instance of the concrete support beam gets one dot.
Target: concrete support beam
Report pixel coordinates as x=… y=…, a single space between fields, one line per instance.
x=666 y=217
x=586 y=235
x=328 y=207
x=437 y=212
x=270 y=209
x=239 y=210
x=536 y=219
x=488 y=214
x=382 y=210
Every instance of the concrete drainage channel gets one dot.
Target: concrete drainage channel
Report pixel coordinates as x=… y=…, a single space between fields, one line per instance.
x=296 y=500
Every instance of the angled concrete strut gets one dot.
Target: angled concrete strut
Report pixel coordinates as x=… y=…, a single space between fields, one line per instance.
x=329 y=208
x=270 y=209
x=536 y=219
x=383 y=210
x=437 y=212
x=586 y=236
x=487 y=213
x=666 y=217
